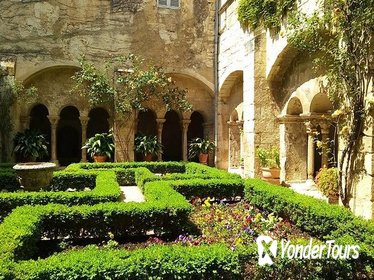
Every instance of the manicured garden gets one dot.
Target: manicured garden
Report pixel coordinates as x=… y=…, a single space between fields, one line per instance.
x=197 y=222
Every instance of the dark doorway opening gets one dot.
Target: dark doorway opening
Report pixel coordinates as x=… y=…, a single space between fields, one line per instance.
x=69 y=136
x=195 y=130
x=39 y=122
x=172 y=137
x=147 y=125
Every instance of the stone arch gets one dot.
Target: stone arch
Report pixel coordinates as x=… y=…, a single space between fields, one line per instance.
x=320 y=104
x=172 y=137
x=196 y=76
x=69 y=136
x=195 y=128
x=282 y=62
x=28 y=73
x=229 y=81
x=294 y=107
x=230 y=108
x=39 y=121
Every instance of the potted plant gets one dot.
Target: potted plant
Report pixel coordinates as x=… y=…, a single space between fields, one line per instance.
x=269 y=161
x=30 y=145
x=100 y=147
x=200 y=147
x=327 y=183
x=148 y=146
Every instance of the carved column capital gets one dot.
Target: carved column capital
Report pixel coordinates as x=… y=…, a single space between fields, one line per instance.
x=84 y=120
x=53 y=120
x=185 y=124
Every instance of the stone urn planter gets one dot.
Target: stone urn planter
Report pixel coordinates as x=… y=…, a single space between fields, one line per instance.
x=34 y=176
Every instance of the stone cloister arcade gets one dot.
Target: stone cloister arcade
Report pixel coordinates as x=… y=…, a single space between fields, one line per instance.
x=68 y=120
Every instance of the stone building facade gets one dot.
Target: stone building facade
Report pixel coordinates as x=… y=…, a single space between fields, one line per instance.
x=45 y=39
x=248 y=89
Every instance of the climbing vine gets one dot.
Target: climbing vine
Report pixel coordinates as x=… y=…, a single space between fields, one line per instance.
x=338 y=38
x=267 y=13
x=128 y=83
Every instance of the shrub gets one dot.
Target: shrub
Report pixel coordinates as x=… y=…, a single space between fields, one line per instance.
x=313 y=215
x=327 y=181
x=214 y=188
x=156 y=262
x=8 y=181
x=155 y=167
x=106 y=189
x=63 y=181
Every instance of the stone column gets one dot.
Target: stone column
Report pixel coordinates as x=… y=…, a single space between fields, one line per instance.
x=25 y=122
x=325 y=131
x=160 y=124
x=84 y=122
x=311 y=131
x=54 y=122
x=241 y=155
x=185 y=124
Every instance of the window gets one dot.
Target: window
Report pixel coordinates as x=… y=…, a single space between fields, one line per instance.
x=173 y=4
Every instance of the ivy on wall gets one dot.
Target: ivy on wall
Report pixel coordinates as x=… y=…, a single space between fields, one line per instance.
x=267 y=13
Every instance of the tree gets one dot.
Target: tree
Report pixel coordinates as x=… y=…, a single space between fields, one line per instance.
x=339 y=39
x=127 y=83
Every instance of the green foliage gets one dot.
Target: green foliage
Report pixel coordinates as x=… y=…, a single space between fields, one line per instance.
x=100 y=145
x=156 y=262
x=327 y=181
x=131 y=87
x=213 y=188
x=200 y=146
x=78 y=181
x=267 y=13
x=30 y=145
x=105 y=190
x=268 y=157
x=155 y=167
x=339 y=39
x=8 y=180
x=147 y=145
x=312 y=215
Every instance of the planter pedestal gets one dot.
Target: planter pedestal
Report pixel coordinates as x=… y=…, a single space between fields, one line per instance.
x=35 y=175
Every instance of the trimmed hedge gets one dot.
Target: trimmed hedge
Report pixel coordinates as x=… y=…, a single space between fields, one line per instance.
x=318 y=218
x=214 y=188
x=165 y=210
x=62 y=181
x=155 y=167
x=156 y=262
x=106 y=190
x=8 y=180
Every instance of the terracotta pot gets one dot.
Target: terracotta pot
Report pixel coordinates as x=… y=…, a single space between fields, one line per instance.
x=147 y=157
x=333 y=199
x=203 y=158
x=100 y=158
x=270 y=173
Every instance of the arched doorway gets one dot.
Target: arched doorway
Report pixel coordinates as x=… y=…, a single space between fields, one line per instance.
x=147 y=125
x=69 y=136
x=172 y=137
x=195 y=129
x=98 y=122
x=39 y=122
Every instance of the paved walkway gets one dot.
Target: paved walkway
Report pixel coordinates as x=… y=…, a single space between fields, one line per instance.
x=308 y=188
x=131 y=194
